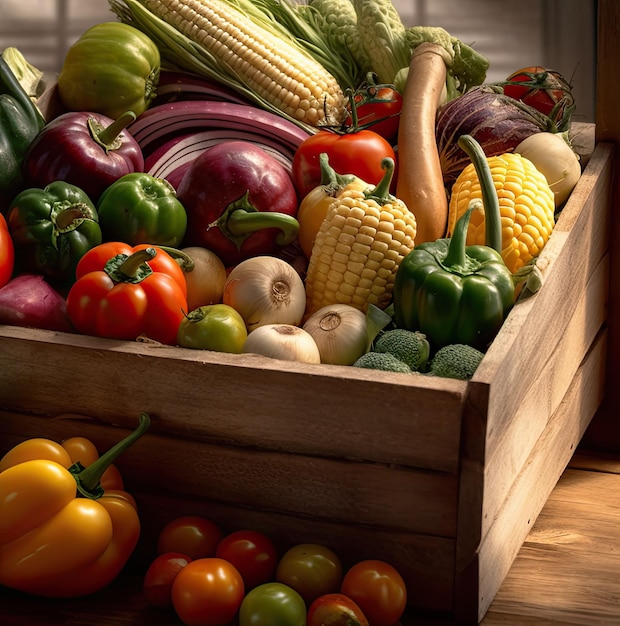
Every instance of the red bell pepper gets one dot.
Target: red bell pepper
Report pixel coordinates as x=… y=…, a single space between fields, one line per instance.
x=7 y=253
x=125 y=292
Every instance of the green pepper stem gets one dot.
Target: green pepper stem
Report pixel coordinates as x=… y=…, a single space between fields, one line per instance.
x=88 y=478
x=183 y=259
x=457 y=255
x=330 y=177
x=381 y=193
x=242 y=222
x=490 y=201
x=134 y=261
x=240 y=219
x=111 y=132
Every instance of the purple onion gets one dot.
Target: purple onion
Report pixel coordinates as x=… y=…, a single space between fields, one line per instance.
x=497 y=122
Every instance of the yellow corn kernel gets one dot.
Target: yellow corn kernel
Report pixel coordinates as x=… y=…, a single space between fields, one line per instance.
x=357 y=252
x=279 y=72
x=526 y=204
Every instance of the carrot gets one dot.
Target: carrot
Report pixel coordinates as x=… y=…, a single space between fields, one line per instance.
x=420 y=182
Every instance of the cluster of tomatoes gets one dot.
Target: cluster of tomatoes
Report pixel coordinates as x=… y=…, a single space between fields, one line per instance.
x=211 y=578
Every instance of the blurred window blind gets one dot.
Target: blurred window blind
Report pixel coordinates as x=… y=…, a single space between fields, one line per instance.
x=559 y=34
x=44 y=29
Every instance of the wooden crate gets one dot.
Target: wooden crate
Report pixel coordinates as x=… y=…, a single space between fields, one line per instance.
x=441 y=477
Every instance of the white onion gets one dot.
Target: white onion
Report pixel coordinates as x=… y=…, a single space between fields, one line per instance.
x=340 y=332
x=283 y=341
x=555 y=159
x=266 y=290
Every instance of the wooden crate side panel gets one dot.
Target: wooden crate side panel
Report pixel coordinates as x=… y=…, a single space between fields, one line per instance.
x=491 y=482
x=567 y=262
x=375 y=494
x=425 y=562
x=531 y=489
x=254 y=401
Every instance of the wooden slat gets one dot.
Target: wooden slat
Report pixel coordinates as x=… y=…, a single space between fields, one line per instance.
x=243 y=399
x=533 y=486
x=379 y=495
x=536 y=325
x=484 y=488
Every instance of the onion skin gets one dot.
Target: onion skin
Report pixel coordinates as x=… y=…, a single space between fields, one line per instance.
x=219 y=177
x=340 y=333
x=283 y=341
x=266 y=290
x=553 y=157
x=28 y=300
x=496 y=121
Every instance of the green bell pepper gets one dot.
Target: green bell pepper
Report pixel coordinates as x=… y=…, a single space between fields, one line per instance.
x=112 y=68
x=20 y=123
x=454 y=293
x=52 y=228
x=140 y=208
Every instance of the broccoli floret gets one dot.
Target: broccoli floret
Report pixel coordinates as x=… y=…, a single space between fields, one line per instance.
x=456 y=361
x=382 y=361
x=410 y=347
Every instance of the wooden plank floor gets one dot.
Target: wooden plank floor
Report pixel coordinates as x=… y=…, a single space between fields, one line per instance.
x=567 y=572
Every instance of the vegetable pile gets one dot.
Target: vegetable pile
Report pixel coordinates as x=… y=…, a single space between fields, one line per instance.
x=310 y=182
x=284 y=178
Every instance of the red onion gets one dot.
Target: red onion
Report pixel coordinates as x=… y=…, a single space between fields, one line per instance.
x=28 y=300
x=164 y=122
x=497 y=122
x=171 y=160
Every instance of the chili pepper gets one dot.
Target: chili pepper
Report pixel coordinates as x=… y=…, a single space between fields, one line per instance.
x=52 y=228
x=140 y=208
x=123 y=293
x=455 y=293
x=83 y=148
x=20 y=123
x=61 y=533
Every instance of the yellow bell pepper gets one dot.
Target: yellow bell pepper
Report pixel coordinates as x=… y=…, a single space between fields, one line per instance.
x=61 y=533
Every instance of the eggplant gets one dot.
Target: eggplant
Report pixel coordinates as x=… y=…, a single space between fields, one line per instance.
x=497 y=122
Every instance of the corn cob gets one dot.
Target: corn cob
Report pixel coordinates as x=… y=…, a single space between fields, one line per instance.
x=526 y=202
x=362 y=241
x=244 y=54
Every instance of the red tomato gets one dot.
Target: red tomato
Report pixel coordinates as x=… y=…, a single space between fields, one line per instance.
x=359 y=153
x=252 y=553
x=378 y=589
x=193 y=535
x=207 y=592
x=7 y=253
x=540 y=88
x=378 y=108
x=335 y=609
x=157 y=583
x=310 y=569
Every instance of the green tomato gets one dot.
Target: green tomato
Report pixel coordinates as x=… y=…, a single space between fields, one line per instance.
x=275 y=604
x=140 y=208
x=216 y=327
x=112 y=68
x=311 y=569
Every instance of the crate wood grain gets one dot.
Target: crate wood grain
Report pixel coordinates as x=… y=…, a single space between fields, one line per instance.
x=441 y=477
